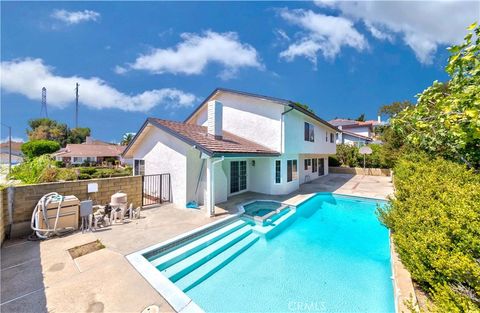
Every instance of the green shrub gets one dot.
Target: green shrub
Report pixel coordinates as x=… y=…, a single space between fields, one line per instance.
x=333 y=161
x=67 y=174
x=32 y=149
x=59 y=164
x=84 y=176
x=88 y=170
x=32 y=171
x=347 y=155
x=435 y=223
x=103 y=173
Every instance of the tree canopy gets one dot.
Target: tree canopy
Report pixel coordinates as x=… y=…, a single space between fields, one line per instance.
x=37 y=148
x=446 y=118
x=48 y=129
x=391 y=110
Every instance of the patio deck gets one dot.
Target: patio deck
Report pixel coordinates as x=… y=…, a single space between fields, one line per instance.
x=41 y=276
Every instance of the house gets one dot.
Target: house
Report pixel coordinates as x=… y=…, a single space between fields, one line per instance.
x=235 y=142
x=77 y=154
x=355 y=132
x=16 y=152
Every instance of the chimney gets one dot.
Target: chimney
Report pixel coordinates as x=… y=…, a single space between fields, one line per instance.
x=88 y=140
x=215 y=117
x=379 y=119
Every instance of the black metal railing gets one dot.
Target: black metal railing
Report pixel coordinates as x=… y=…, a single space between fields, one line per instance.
x=156 y=189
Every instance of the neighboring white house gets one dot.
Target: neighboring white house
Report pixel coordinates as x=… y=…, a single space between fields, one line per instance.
x=355 y=132
x=232 y=143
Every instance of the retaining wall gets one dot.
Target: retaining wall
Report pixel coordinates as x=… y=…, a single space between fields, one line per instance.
x=360 y=171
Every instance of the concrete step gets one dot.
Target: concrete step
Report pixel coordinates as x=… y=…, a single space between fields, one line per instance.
x=185 y=266
x=172 y=257
x=201 y=273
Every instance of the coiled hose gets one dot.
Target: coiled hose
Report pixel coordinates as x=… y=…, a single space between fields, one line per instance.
x=42 y=206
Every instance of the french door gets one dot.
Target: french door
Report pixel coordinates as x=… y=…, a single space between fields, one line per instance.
x=321 y=167
x=238 y=176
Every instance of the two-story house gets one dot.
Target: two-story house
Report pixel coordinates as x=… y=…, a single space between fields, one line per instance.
x=235 y=142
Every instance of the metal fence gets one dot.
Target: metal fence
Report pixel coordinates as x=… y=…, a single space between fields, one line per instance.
x=156 y=189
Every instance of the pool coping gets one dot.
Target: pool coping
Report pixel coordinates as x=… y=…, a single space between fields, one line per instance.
x=180 y=302
x=177 y=299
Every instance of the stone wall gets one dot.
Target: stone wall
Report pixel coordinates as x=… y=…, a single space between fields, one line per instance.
x=26 y=197
x=360 y=171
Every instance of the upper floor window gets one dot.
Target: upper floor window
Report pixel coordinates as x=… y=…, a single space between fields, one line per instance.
x=332 y=139
x=326 y=136
x=309 y=134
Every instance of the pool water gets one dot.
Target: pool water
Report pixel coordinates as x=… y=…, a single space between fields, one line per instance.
x=334 y=257
x=261 y=208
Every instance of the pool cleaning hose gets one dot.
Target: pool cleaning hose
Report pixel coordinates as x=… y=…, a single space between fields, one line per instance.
x=42 y=206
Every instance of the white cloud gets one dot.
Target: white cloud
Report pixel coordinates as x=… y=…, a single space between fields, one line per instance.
x=14 y=139
x=75 y=17
x=195 y=52
x=322 y=33
x=28 y=76
x=423 y=25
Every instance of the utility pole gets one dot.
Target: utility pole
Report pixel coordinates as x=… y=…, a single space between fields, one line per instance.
x=76 y=105
x=9 y=147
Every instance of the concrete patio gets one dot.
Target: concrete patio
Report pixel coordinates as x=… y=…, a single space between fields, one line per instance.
x=42 y=276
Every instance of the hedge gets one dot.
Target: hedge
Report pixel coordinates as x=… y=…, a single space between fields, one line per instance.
x=36 y=148
x=435 y=223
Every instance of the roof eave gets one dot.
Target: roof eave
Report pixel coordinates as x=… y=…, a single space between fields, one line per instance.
x=313 y=115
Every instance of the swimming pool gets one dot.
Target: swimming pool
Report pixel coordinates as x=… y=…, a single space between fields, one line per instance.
x=333 y=256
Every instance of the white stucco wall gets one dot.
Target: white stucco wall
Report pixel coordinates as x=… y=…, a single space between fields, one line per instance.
x=164 y=153
x=295 y=135
x=362 y=130
x=254 y=119
x=312 y=175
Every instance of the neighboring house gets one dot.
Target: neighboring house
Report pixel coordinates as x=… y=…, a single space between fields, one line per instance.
x=17 y=155
x=232 y=143
x=356 y=132
x=93 y=153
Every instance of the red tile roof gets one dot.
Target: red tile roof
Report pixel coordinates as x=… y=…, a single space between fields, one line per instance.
x=198 y=135
x=90 y=150
x=16 y=145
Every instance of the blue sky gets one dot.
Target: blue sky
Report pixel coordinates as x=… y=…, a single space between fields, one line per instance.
x=135 y=60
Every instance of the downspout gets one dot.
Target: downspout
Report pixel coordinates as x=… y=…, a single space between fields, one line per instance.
x=281 y=130
x=211 y=209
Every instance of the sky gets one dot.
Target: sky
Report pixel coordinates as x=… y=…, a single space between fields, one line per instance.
x=135 y=60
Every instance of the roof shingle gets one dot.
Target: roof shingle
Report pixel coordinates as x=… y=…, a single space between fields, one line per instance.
x=228 y=144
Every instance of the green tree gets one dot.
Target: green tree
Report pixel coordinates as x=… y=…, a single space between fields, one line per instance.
x=361 y=118
x=391 y=110
x=446 y=119
x=127 y=138
x=78 y=135
x=47 y=129
x=32 y=149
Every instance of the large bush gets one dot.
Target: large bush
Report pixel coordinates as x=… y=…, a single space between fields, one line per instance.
x=435 y=223
x=32 y=149
x=36 y=170
x=348 y=155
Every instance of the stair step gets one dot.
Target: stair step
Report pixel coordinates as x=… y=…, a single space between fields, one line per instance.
x=182 y=268
x=201 y=273
x=190 y=248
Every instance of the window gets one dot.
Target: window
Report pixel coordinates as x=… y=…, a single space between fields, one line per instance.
x=278 y=171
x=77 y=159
x=314 y=165
x=307 y=163
x=139 y=167
x=238 y=176
x=309 y=134
x=331 y=137
x=292 y=173
x=321 y=167
x=326 y=136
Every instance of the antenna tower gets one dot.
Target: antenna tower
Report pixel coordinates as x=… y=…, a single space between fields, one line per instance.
x=44 y=102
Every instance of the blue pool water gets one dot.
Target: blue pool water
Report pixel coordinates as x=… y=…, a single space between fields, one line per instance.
x=261 y=208
x=333 y=257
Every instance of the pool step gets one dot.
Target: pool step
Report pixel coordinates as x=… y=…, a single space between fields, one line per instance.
x=185 y=266
x=201 y=273
x=189 y=249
